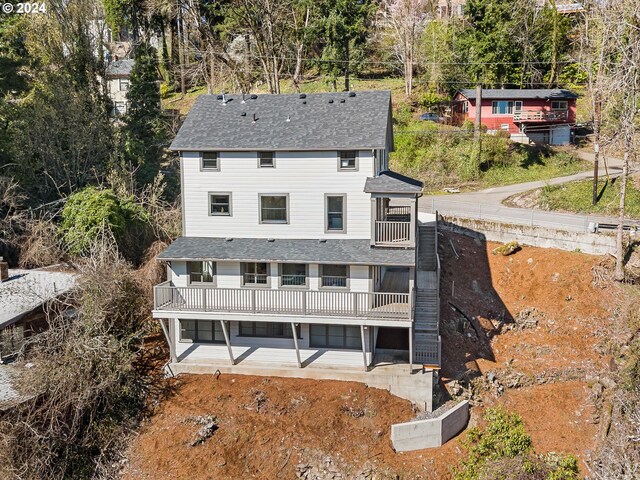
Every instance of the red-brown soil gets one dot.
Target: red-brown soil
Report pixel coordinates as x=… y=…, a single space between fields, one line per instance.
x=269 y=426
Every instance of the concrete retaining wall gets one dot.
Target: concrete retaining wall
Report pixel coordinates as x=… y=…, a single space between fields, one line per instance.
x=430 y=433
x=593 y=243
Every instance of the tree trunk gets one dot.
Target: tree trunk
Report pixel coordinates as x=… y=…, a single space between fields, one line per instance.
x=619 y=274
x=181 y=41
x=346 y=68
x=478 y=122
x=596 y=142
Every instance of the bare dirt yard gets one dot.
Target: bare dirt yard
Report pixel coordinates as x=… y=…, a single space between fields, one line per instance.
x=528 y=331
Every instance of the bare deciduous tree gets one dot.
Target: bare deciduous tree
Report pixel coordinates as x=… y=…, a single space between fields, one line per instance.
x=407 y=20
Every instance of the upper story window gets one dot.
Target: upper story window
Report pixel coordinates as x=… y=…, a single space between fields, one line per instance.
x=124 y=84
x=334 y=275
x=220 y=204
x=266 y=159
x=210 y=161
x=274 y=208
x=255 y=273
x=464 y=107
x=559 y=105
x=119 y=109
x=335 y=206
x=348 y=160
x=201 y=272
x=504 y=107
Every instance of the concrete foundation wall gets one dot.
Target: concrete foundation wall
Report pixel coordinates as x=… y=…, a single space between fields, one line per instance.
x=430 y=433
x=416 y=387
x=545 y=237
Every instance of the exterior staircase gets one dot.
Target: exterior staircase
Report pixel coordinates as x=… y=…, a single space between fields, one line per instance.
x=427 y=298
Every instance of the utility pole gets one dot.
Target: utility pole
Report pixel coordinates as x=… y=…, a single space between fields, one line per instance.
x=478 y=123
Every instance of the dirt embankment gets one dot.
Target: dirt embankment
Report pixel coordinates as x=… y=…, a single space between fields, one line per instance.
x=536 y=327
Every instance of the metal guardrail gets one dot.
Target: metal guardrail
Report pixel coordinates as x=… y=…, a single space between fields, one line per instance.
x=518 y=216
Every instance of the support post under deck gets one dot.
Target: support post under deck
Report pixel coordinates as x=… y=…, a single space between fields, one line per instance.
x=364 y=348
x=410 y=350
x=295 y=343
x=227 y=341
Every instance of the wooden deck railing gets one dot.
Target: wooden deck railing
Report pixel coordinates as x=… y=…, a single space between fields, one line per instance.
x=393 y=233
x=379 y=305
x=540 y=115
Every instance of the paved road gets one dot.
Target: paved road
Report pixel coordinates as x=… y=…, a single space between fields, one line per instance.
x=487 y=204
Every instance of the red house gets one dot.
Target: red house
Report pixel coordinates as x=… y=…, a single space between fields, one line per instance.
x=530 y=115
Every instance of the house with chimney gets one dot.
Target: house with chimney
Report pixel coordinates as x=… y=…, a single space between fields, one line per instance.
x=302 y=254
x=539 y=116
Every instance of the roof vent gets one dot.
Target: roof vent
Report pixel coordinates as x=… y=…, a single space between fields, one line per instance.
x=254 y=96
x=243 y=100
x=304 y=102
x=228 y=239
x=342 y=100
x=243 y=114
x=271 y=240
x=288 y=118
x=303 y=95
x=255 y=119
x=224 y=98
x=352 y=94
x=323 y=240
x=219 y=97
x=331 y=100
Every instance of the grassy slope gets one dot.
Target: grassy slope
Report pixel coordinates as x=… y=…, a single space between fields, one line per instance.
x=576 y=197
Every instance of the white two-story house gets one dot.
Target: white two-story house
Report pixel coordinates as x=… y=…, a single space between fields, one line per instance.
x=118 y=78
x=302 y=254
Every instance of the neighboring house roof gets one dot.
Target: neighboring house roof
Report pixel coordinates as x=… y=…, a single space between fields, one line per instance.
x=120 y=68
x=26 y=290
x=335 y=251
x=318 y=121
x=10 y=396
x=511 y=93
x=392 y=182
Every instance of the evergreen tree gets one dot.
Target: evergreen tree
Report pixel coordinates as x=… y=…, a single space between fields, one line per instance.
x=143 y=134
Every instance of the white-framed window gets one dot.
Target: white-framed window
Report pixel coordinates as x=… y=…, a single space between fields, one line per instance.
x=201 y=271
x=119 y=109
x=255 y=273
x=335 y=213
x=504 y=126
x=348 y=160
x=220 y=204
x=123 y=84
x=201 y=331
x=335 y=336
x=266 y=159
x=465 y=107
x=274 y=208
x=505 y=107
x=334 y=276
x=210 y=161
x=293 y=274
x=559 y=105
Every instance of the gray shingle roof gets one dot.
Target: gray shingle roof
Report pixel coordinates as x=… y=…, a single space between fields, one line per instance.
x=392 y=182
x=511 y=93
x=120 y=68
x=320 y=121
x=337 y=251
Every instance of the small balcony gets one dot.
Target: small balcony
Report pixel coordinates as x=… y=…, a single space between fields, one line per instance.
x=394 y=226
x=265 y=301
x=540 y=116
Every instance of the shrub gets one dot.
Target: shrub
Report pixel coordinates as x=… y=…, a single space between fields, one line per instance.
x=503 y=450
x=90 y=211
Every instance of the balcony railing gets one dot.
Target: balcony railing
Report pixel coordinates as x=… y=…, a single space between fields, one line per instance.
x=379 y=305
x=540 y=116
x=328 y=281
x=255 y=278
x=393 y=234
x=293 y=280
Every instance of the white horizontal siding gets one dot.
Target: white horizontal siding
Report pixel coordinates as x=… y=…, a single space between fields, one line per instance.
x=273 y=351
x=228 y=276
x=305 y=176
